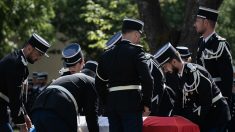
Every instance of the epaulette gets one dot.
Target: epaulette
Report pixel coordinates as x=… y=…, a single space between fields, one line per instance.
x=148 y=56
x=191 y=67
x=220 y=38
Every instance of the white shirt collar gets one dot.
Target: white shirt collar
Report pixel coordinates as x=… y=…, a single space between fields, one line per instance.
x=207 y=38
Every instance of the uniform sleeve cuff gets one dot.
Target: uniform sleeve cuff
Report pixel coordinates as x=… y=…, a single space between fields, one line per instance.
x=20 y=124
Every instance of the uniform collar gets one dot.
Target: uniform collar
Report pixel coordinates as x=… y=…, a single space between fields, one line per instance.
x=64 y=71
x=129 y=42
x=126 y=40
x=182 y=71
x=23 y=58
x=208 y=37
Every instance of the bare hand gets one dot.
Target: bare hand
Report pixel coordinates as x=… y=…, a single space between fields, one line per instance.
x=27 y=121
x=146 y=111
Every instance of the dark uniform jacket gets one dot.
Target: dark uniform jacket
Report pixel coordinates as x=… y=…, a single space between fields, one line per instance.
x=13 y=71
x=122 y=65
x=28 y=103
x=215 y=56
x=164 y=98
x=174 y=83
x=82 y=87
x=199 y=98
x=232 y=111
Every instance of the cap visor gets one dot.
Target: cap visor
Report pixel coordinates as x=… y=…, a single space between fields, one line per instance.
x=203 y=17
x=46 y=55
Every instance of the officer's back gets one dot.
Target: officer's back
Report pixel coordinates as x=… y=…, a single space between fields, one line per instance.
x=81 y=87
x=122 y=71
x=120 y=62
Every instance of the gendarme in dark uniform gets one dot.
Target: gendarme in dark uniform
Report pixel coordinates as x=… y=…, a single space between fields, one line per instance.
x=173 y=81
x=72 y=56
x=203 y=102
x=208 y=107
x=57 y=107
x=123 y=80
x=14 y=73
x=214 y=54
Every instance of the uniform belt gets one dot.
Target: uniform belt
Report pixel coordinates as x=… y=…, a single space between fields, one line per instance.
x=67 y=92
x=128 y=87
x=216 y=98
x=217 y=79
x=4 y=97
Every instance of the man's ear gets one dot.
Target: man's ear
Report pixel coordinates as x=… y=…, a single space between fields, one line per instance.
x=29 y=48
x=206 y=21
x=173 y=61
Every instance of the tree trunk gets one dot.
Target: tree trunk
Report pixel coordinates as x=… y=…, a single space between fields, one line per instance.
x=155 y=26
x=189 y=36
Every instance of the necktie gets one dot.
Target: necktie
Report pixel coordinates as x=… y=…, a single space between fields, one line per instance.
x=203 y=45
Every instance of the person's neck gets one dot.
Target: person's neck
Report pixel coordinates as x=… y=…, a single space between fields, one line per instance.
x=208 y=33
x=127 y=37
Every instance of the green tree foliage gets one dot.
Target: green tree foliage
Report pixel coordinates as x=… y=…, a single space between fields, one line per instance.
x=20 y=18
x=91 y=22
x=173 y=11
x=225 y=26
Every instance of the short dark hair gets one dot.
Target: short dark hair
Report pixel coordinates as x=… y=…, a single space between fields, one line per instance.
x=212 y=23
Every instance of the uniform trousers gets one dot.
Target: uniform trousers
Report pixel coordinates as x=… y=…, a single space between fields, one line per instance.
x=215 y=129
x=49 y=121
x=125 y=122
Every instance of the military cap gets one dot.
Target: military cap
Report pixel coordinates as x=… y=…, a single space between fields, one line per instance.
x=132 y=24
x=184 y=51
x=42 y=75
x=35 y=74
x=164 y=54
x=207 y=13
x=39 y=43
x=116 y=38
x=91 y=65
x=72 y=54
